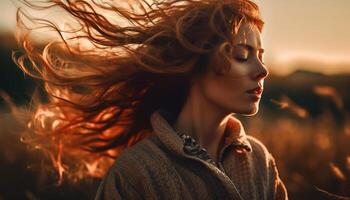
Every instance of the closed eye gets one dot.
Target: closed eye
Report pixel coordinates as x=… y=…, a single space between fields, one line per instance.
x=241 y=59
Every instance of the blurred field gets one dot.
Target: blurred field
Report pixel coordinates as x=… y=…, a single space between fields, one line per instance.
x=304 y=120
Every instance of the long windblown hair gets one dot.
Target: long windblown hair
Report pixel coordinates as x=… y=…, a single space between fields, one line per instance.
x=103 y=79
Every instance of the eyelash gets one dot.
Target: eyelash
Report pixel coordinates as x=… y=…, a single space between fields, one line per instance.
x=245 y=59
x=241 y=59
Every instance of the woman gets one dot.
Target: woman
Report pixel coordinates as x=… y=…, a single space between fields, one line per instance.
x=158 y=96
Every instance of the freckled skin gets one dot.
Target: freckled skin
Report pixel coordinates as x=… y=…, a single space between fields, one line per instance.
x=228 y=92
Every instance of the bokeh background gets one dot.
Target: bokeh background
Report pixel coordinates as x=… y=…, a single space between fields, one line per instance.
x=304 y=118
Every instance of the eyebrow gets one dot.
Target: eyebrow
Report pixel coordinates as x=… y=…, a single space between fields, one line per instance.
x=249 y=47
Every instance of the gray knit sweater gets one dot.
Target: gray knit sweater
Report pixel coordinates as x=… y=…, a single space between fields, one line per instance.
x=169 y=165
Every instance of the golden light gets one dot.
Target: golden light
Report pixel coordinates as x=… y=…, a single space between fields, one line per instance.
x=286 y=103
x=337 y=172
x=330 y=92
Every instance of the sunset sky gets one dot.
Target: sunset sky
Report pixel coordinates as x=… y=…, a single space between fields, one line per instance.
x=296 y=31
x=311 y=30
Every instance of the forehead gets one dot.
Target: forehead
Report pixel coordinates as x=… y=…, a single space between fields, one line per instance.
x=248 y=34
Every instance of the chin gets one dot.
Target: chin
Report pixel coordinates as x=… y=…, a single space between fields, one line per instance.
x=249 y=111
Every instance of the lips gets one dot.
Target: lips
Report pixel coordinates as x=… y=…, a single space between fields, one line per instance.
x=258 y=90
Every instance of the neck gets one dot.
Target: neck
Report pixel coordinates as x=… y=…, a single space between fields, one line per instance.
x=203 y=121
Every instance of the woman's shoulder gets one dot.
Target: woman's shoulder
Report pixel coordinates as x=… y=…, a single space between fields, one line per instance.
x=265 y=160
x=256 y=144
x=260 y=151
x=144 y=154
x=130 y=174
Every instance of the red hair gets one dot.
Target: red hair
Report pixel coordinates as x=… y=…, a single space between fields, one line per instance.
x=99 y=97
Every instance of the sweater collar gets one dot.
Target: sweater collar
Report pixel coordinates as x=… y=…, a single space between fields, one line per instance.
x=161 y=121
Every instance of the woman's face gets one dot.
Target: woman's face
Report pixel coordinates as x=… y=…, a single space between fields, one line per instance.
x=229 y=91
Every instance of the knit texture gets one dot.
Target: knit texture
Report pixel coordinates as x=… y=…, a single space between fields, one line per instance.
x=172 y=165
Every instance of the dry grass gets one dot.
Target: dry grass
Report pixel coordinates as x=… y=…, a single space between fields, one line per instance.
x=313 y=154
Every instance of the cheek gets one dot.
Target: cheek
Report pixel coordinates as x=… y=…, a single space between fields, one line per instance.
x=229 y=97
x=237 y=69
x=225 y=91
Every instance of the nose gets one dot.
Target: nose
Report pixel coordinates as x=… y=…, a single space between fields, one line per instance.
x=261 y=73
